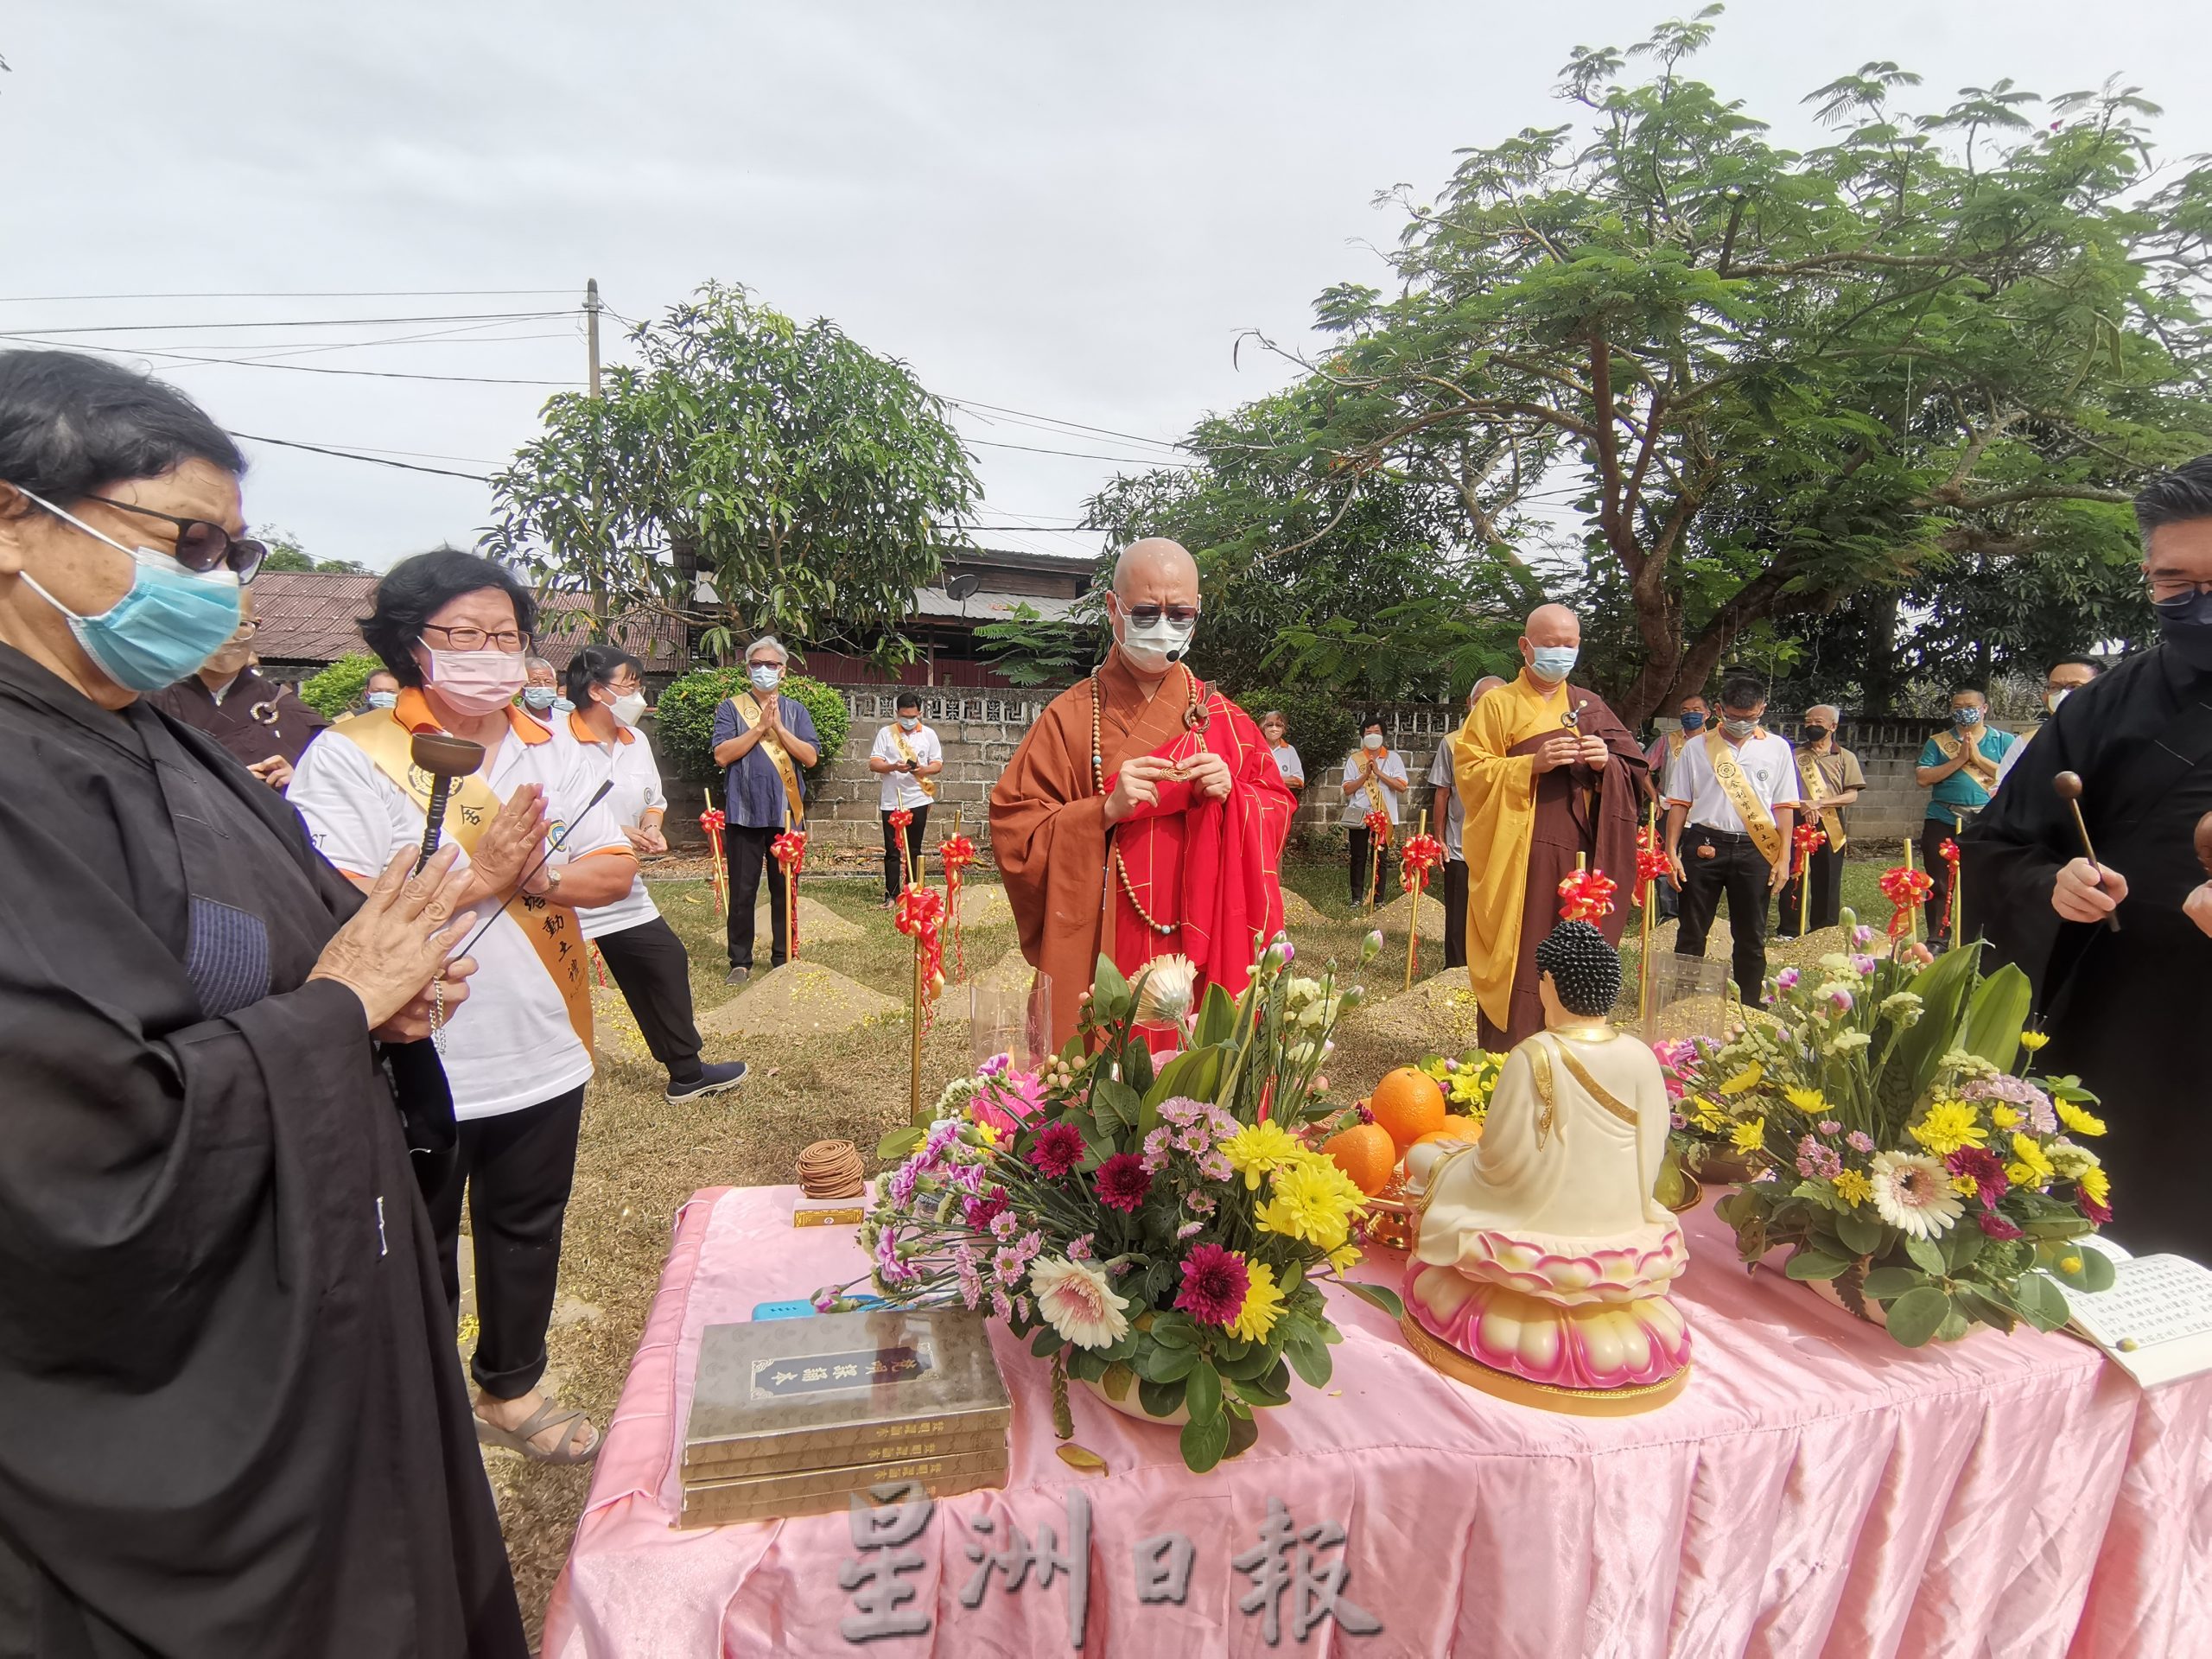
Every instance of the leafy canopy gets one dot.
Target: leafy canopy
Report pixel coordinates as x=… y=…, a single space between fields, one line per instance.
x=806 y=478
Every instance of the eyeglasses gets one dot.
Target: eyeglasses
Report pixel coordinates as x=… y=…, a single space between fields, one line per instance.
x=467 y=638
x=201 y=545
x=2175 y=587
x=1146 y=616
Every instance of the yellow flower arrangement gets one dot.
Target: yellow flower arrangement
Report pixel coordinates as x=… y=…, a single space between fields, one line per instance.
x=2029 y=1167
x=1312 y=1200
x=2096 y=1185
x=2005 y=1117
x=1749 y=1136
x=1811 y=1101
x=1259 y=1149
x=1949 y=1125
x=2075 y=1119
x=1747 y=1078
x=1707 y=1114
x=1852 y=1185
x=2033 y=1041
x=1262 y=1304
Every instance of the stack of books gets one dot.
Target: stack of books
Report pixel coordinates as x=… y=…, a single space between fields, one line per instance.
x=794 y=1416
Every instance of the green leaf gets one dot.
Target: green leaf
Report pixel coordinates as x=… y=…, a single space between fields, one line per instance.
x=1994 y=1017
x=1928 y=1255
x=1270 y=1388
x=898 y=1145
x=1861 y=1233
x=1384 y=1299
x=2042 y=1303
x=1195 y=1074
x=1083 y=1362
x=1109 y=992
x=1310 y=1360
x=1244 y=1433
x=1136 y=1073
x=1217 y=1022
x=1160 y=1399
x=1174 y=1328
x=1116 y=1099
x=1942 y=987
x=1961 y=1245
x=1202 y=1392
x=1169 y=1364
x=1116 y=1381
x=1046 y=1342
x=1887 y=1284
x=1204 y=1441
x=1812 y=1264
x=1915 y=1317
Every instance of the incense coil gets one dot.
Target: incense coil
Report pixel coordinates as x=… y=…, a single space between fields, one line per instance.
x=831 y=1169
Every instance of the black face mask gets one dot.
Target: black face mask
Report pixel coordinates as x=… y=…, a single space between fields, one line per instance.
x=2185 y=624
x=1817 y=734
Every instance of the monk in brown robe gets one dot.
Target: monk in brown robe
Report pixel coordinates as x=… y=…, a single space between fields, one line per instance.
x=1546 y=771
x=1143 y=816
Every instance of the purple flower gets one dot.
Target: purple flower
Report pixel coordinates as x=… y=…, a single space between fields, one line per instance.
x=901 y=1185
x=1079 y=1249
x=1865 y=964
x=1157 y=1145
x=1786 y=980
x=1215 y=1283
x=1216 y=1166
x=1829 y=1125
x=1858 y=1140
x=1199 y=1204
x=1839 y=1000
x=1005 y=1224
x=1996 y=1226
x=1001 y=1306
x=996 y=1065
x=966 y=1269
x=825 y=1300
x=1007 y=1265
x=1122 y=1182
x=1817 y=1162
x=1190 y=1230
x=1861 y=937
x=984 y=1213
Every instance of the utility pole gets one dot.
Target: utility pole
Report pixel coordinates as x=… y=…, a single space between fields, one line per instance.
x=591 y=328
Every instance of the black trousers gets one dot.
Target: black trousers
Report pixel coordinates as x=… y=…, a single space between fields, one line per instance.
x=1737 y=869
x=748 y=856
x=1455 y=912
x=1364 y=870
x=1824 y=869
x=1934 y=832
x=651 y=965
x=517 y=1169
x=897 y=865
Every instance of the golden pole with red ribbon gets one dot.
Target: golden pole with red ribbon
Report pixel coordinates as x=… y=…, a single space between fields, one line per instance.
x=711 y=821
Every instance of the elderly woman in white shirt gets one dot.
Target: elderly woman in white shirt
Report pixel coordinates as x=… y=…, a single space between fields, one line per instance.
x=1375 y=777
x=649 y=963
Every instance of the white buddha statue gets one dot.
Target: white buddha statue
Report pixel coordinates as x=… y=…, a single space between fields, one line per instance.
x=1542 y=1253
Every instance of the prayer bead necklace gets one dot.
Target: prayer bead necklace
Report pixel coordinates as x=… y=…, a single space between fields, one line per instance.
x=1195 y=719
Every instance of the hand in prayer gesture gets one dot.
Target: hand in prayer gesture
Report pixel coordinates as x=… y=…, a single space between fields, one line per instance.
x=510 y=841
x=387 y=953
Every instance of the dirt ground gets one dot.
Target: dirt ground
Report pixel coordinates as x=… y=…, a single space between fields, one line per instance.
x=640 y=1157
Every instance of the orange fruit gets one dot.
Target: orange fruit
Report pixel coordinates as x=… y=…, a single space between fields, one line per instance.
x=1455 y=1129
x=1366 y=1154
x=1409 y=1103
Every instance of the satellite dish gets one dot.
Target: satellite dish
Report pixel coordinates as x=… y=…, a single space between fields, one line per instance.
x=962 y=587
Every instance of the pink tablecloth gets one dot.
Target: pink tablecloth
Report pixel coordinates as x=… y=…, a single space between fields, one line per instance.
x=1816 y=1490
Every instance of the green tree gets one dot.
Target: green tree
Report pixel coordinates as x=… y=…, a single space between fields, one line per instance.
x=337 y=690
x=685 y=712
x=806 y=478
x=285 y=553
x=1769 y=380
x=1032 y=649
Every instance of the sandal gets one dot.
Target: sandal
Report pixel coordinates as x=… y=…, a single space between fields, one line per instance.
x=549 y=1416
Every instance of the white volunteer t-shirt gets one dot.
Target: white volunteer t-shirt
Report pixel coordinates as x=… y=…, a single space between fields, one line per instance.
x=1288 y=763
x=510 y=1045
x=1357 y=805
x=1440 y=776
x=897 y=789
x=1768 y=764
x=636 y=777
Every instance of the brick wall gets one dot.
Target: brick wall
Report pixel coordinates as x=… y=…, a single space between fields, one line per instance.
x=980 y=729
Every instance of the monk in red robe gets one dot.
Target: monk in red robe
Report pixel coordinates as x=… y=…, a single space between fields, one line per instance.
x=1143 y=816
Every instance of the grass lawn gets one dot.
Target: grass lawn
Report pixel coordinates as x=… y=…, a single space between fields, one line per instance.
x=640 y=1157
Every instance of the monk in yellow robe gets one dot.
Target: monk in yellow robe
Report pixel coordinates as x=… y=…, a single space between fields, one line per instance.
x=1545 y=771
x=1143 y=815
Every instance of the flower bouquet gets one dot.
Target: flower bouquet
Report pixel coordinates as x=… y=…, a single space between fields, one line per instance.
x=1467 y=1082
x=1155 y=1224
x=1905 y=1156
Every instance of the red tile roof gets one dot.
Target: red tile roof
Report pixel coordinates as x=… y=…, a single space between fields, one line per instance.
x=308 y=617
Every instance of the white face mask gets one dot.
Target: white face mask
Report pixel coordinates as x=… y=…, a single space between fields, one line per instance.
x=909 y=723
x=630 y=707
x=1156 y=649
x=1372 y=740
x=2052 y=699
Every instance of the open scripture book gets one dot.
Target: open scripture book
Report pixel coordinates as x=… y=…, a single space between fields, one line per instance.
x=2155 y=1322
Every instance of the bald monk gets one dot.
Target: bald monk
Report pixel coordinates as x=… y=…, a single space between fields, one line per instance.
x=1545 y=771
x=1143 y=815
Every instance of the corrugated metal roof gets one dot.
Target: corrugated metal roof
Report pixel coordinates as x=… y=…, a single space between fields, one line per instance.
x=984 y=606
x=308 y=617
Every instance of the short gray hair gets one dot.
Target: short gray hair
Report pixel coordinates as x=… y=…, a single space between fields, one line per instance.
x=772 y=643
x=531 y=664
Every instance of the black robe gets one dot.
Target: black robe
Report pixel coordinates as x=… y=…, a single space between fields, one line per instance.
x=2121 y=1008
x=257 y=717
x=232 y=1415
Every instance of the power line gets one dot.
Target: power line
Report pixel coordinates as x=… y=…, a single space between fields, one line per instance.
x=298 y=294
x=1054 y=420
x=305 y=368
x=285 y=322
x=1081 y=454
x=350 y=454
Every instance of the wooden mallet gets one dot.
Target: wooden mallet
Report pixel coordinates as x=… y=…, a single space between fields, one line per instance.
x=2069 y=786
x=445 y=758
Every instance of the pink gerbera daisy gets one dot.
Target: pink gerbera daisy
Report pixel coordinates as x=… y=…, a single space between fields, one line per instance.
x=1215 y=1283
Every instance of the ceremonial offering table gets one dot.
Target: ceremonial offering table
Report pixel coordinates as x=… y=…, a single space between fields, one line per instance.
x=1815 y=1489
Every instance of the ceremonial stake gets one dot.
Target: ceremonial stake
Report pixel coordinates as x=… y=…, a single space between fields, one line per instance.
x=1957 y=864
x=714 y=844
x=914 y=1081
x=2069 y=786
x=1413 y=928
x=1912 y=922
x=445 y=758
x=1643 y=963
x=791 y=901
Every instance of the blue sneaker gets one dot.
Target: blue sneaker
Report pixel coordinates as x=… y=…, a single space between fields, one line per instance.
x=711 y=1080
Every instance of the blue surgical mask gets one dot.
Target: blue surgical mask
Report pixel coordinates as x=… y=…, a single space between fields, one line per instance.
x=1692 y=721
x=1553 y=663
x=540 y=697
x=766 y=676
x=171 y=621
x=383 y=699
x=562 y=706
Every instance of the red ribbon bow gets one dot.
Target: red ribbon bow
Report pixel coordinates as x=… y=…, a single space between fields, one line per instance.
x=1907 y=890
x=1586 y=896
x=900 y=818
x=1949 y=851
x=920 y=916
x=714 y=820
x=1806 y=839
x=1651 y=863
x=1420 y=855
x=958 y=853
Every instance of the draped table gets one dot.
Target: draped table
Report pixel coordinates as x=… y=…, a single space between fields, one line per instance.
x=1816 y=1490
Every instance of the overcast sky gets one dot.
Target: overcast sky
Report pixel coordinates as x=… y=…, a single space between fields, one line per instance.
x=1068 y=210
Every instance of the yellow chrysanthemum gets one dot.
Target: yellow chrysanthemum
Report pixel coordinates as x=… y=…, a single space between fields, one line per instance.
x=1344 y=1256
x=1949 y=1125
x=2029 y=1167
x=2097 y=1186
x=1309 y=1201
x=2075 y=1119
x=2005 y=1117
x=1262 y=1304
x=1852 y=1185
x=1749 y=1137
x=2032 y=1040
x=987 y=1133
x=1746 y=1079
x=1706 y=1115
x=1811 y=1101
x=1965 y=1185
x=1258 y=1150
